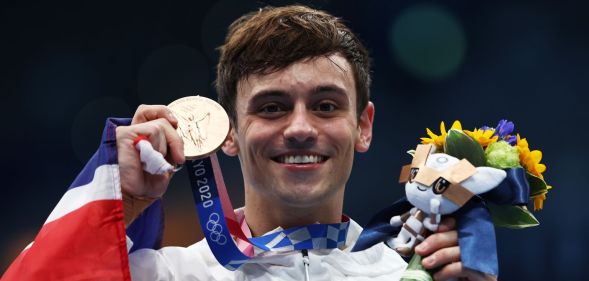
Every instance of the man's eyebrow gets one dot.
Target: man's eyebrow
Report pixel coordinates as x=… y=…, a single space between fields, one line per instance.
x=330 y=88
x=265 y=94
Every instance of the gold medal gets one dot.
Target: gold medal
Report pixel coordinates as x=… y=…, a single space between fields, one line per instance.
x=202 y=123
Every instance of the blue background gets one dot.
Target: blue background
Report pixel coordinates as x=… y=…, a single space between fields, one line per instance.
x=65 y=67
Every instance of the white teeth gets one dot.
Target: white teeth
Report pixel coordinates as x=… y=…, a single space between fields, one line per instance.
x=301 y=159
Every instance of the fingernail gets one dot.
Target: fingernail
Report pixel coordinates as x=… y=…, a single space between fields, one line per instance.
x=172 y=117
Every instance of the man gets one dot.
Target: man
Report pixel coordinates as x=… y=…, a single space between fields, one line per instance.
x=295 y=83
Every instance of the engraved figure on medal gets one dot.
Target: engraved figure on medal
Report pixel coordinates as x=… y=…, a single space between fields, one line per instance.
x=195 y=129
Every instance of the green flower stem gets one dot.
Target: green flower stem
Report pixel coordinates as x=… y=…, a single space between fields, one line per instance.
x=415 y=271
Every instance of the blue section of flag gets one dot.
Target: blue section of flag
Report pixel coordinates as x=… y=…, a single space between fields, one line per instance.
x=147 y=230
x=106 y=154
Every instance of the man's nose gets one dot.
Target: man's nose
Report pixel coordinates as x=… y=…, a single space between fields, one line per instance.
x=300 y=129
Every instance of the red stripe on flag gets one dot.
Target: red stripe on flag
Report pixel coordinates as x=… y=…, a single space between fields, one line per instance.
x=86 y=244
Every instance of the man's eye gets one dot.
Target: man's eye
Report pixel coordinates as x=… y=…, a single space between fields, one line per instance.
x=271 y=108
x=326 y=107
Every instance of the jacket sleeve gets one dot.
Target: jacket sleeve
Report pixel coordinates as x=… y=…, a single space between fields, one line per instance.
x=176 y=263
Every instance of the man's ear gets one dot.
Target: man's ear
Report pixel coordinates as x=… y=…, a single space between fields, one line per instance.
x=231 y=146
x=365 y=128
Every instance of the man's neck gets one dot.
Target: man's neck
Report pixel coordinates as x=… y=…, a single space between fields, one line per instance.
x=264 y=214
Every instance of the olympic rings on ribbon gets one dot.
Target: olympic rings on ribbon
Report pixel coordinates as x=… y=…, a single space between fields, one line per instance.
x=215 y=229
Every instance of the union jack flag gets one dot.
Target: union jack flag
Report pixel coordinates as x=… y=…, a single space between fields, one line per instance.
x=84 y=237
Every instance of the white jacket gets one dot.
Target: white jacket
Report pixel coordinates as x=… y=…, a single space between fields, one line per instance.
x=197 y=262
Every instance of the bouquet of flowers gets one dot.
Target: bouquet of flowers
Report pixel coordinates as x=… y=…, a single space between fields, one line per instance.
x=501 y=148
x=463 y=160
x=485 y=177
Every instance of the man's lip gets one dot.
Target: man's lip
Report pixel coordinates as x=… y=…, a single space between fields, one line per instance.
x=297 y=168
x=300 y=158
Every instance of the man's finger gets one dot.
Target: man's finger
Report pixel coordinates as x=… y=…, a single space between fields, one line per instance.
x=456 y=270
x=175 y=143
x=147 y=113
x=437 y=241
x=162 y=136
x=442 y=257
x=453 y=270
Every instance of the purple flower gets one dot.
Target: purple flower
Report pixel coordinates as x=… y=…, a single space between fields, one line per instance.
x=511 y=140
x=503 y=129
x=486 y=128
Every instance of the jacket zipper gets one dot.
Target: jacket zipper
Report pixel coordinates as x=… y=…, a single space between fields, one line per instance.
x=306 y=263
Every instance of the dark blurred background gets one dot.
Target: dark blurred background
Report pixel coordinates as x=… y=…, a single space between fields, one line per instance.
x=65 y=67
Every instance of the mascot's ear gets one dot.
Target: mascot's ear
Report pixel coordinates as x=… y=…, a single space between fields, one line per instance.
x=485 y=179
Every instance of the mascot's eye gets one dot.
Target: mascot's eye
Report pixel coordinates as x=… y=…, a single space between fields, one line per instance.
x=413 y=174
x=440 y=185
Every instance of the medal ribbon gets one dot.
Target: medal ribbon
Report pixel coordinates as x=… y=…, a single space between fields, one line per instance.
x=220 y=225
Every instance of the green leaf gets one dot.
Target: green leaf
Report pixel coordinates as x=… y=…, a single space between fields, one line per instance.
x=537 y=185
x=510 y=216
x=462 y=146
x=415 y=271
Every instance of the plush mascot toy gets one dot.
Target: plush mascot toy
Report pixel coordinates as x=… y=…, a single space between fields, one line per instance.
x=437 y=184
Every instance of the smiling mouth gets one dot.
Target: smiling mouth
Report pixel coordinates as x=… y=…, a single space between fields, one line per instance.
x=300 y=159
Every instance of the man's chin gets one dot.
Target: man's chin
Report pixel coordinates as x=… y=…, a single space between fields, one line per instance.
x=304 y=196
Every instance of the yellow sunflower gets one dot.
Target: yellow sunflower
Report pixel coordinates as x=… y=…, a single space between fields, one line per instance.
x=439 y=140
x=530 y=159
x=483 y=137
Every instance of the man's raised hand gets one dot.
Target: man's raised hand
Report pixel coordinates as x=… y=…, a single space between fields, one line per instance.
x=157 y=123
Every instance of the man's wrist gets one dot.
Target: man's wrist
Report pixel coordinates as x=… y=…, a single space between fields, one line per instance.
x=133 y=206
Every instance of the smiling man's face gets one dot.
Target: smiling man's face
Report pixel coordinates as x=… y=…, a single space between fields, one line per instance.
x=297 y=130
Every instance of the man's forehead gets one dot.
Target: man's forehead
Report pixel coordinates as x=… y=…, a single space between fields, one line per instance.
x=323 y=72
